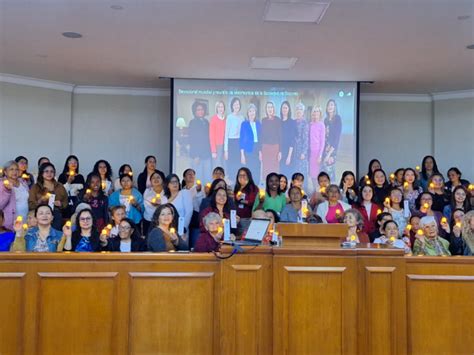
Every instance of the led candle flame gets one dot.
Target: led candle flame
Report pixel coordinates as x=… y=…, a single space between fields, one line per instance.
x=405 y=185
x=392 y=176
x=367 y=177
x=322 y=190
x=19 y=219
x=208 y=185
x=379 y=211
x=392 y=239
x=172 y=230
x=426 y=205
x=109 y=227
x=24 y=176
x=368 y=182
x=158 y=196
x=420 y=232
x=198 y=182
x=130 y=199
x=130 y=173
x=104 y=231
x=458 y=224
x=68 y=224
x=302 y=192
x=409 y=227
x=219 y=230
x=262 y=193
x=153 y=200
x=353 y=238
x=1 y=171
x=104 y=185
x=338 y=212
x=88 y=191
x=444 y=220
x=71 y=173
x=471 y=187
x=6 y=182
x=432 y=185
x=417 y=168
x=25 y=226
x=305 y=211
x=387 y=200
x=48 y=194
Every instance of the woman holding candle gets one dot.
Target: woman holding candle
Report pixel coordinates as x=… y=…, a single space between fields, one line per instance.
x=367 y=208
x=468 y=233
x=428 y=168
x=397 y=180
x=42 y=238
x=456 y=242
x=23 y=171
x=394 y=205
x=232 y=137
x=272 y=197
x=411 y=189
x=163 y=236
x=216 y=134
x=245 y=193
x=320 y=195
x=194 y=187
x=219 y=204
x=424 y=203
x=381 y=186
x=295 y=211
x=374 y=164
x=129 y=240
x=355 y=222
x=124 y=169
x=210 y=240
x=331 y=211
x=14 y=193
x=206 y=202
x=153 y=197
x=271 y=140
x=391 y=236
x=45 y=189
x=460 y=199
x=144 y=177
x=129 y=197
x=86 y=236
x=73 y=182
x=333 y=123
x=437 y=189
x=117 y=213
x=428 y=242
x=287 y=144
x=95 y=197
x=250 y=145
x=104 y=170
x=348 y=188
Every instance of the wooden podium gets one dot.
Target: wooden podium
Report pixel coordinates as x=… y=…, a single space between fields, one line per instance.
x=312 y=235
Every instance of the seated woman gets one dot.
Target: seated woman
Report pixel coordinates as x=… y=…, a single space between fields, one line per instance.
x=129 y=241
x=331 y=211
x=86 y=236
x=163 y=236
x=295 y=211
x=45 y=189
x=273 y=198
x=456 y=242
x=429 y=242
x=43 y=238
x=95 y=197
x=129 y=197
x=391 y=236
x=117 y=213
x=320 y=195
x=6 y=235
x=210 y=240
x=355 y=221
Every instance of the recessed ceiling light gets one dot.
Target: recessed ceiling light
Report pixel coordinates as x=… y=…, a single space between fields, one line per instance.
x=279 y=63
x=116 y=7
x=72 y=35
x=464 y=17
x=471 y=46
x=295 y=11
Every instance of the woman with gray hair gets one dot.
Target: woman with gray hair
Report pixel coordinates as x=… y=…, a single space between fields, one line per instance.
x=210 y=240
x=353 y=218
x=301 y=148
x=428 y=242
x=14 y=194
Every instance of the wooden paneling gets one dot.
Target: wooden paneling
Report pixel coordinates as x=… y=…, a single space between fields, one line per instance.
x=76 y=312
x=247 y=305
x=173 y=313
x=440 y=314
x=12 y=293
x=315 y=307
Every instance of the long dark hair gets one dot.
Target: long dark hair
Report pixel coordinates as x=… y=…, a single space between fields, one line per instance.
x=360 y=200
x=213 y=186
x=289 y=109
x=167 y=181
x=88 y=183
x=250 y=185
x=42 y=168
x=354 y=187
x=94 y=230
x=467 y=202
x=267 y=181
x=369 y=169
x=122 y=169
x=183 y=182
x=226 y=208
x=95 y=170
x=423 y=169
x=415 y=182
x=136 y=234
x=146 y=161
x=385 y=184
x=155 y=220
x=335 y=108
x=66 y=168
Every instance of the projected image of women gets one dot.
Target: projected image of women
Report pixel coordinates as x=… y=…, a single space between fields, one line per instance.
x=271 y=138
x=333 y=125
x=231 y=139
x=216 y=134
x=250 y=151
x=288 y=127
x=199 y=146
x=301 y=140
x=317 y=139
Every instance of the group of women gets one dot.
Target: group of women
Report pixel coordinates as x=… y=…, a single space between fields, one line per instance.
x=414 y=209
x=286 y=143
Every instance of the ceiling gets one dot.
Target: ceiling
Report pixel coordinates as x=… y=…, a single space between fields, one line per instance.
x=416 y=46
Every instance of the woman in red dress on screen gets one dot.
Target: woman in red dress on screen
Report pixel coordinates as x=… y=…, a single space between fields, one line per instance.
x=271 y=138
x=216 y=134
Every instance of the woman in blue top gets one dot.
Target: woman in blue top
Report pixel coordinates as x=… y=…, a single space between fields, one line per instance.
x=43 y=238
x=250 y=146
x=129 y=197
x=86 y=236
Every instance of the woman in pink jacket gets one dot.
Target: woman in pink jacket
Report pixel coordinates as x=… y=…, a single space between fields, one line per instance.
x=317 y=137
x=13 y=195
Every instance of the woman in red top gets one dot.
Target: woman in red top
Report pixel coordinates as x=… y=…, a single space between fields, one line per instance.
x=245 y=193
x=216 y=134
x=210 y=240
x=368 y=209
x=220 y=204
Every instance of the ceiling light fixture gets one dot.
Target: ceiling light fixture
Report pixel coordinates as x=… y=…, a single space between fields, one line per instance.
x=471 y=46
x=72 y=35
x=464 y=17
x=116 y=7
x=278 y=63
x=305 y=11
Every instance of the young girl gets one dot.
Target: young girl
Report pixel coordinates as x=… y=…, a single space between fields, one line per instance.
x=348 y=187
x=129 y=241
x=163 y=235
x=410 y=187
x=117 y=213
x=391 y=237
x=394 y=205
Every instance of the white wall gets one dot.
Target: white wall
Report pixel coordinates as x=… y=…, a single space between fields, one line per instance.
x=124 y=129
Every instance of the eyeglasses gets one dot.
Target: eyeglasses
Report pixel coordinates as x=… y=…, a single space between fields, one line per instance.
x=124 y=228
x=85 y=219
